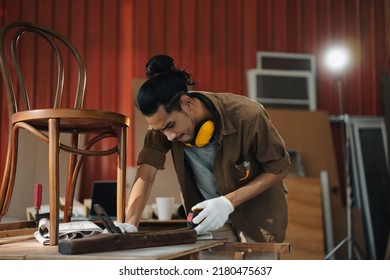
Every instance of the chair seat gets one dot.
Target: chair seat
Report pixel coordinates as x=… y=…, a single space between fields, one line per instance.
x=73 y=120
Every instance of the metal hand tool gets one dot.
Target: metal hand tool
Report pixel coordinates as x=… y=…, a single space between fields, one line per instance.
x=107 y=222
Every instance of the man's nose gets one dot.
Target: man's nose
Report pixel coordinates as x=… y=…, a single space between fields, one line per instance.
x=170 y=135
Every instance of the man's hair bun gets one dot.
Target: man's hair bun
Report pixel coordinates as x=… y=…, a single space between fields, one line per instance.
x=159 y=64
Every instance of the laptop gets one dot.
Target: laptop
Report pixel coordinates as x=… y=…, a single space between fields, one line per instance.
x=103 y=193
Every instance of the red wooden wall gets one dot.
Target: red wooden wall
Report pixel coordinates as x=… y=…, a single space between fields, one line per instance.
x=217 y=41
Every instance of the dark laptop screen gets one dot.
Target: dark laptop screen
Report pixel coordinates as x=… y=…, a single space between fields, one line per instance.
x=104 y=193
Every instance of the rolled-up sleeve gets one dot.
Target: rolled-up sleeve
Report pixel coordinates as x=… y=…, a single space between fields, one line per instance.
x=154 y=150
x=269 y=146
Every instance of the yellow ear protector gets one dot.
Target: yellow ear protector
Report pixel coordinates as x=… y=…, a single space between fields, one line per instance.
x=204 y=132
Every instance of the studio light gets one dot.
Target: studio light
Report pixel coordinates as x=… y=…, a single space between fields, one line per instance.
x=336 y=59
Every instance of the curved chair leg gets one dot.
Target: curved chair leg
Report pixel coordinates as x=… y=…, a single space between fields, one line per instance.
x=121 y=174
x=54 y=149
x=80 y=160
x=8 y=188
x=70 y=183
x=70 y=189
x=6 y=177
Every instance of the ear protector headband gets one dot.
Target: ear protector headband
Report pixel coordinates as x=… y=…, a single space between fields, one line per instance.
x=205 y=130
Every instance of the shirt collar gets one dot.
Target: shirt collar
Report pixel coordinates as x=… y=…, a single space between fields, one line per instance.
x=227 y=126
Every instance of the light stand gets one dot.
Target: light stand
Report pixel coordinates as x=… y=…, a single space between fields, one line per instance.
x=349 y=239
x=337 y=60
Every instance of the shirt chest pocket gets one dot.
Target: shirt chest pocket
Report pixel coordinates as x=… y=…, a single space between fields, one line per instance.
x=241 y=171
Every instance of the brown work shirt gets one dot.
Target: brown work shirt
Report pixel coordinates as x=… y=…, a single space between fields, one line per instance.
x=246 y=141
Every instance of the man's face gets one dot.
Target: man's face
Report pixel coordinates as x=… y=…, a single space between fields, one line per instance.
x=176 y=126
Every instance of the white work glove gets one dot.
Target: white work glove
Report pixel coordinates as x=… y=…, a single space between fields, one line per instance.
x=214 y=215
x=125 y=227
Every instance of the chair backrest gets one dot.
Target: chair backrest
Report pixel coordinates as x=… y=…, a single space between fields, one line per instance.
x=10 y=37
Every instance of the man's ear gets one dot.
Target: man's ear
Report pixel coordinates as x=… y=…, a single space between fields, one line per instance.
x=186 y=102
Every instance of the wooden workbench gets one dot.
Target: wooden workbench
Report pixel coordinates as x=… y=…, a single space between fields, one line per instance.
x=33 y=250
x=17 y=243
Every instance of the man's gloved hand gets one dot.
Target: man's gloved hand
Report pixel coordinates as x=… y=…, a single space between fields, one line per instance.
x=125 y=227
x=214 y=215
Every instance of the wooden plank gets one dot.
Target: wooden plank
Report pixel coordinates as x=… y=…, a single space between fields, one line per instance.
x=119 y=241
x=153 y=224
x=17 y=232
x=17 y=225
x=305 y=223
x=15 y=239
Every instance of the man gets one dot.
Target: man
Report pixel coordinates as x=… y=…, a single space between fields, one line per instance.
x=229 y=159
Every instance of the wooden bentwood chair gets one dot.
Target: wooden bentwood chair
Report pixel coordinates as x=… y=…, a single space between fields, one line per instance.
x=47 y=124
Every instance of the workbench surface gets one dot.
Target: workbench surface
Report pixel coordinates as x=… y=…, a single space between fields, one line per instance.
x=33 y=250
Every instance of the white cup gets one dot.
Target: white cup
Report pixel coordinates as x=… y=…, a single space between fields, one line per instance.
x=164 y=207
